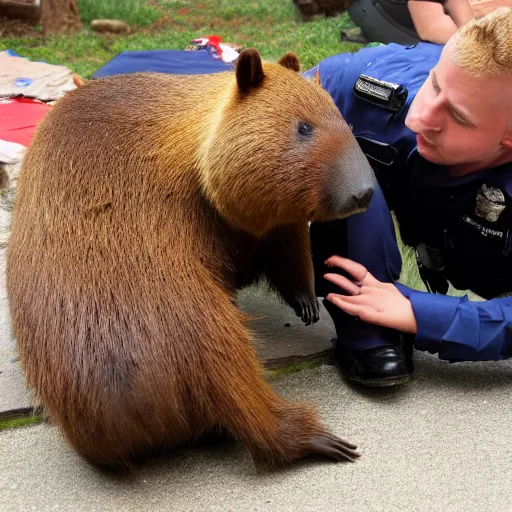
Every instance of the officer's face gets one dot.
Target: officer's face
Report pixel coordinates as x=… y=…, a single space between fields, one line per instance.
x=462 y=120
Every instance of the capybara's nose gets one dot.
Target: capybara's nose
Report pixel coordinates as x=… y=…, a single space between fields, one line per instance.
x=363 y=198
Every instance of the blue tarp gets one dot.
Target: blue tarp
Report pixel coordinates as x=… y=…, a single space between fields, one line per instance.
x=179 y=62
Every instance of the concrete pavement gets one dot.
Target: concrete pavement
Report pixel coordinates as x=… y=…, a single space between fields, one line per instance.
x=442 y=444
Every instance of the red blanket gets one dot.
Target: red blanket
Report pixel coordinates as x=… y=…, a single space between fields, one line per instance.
x=19 y=118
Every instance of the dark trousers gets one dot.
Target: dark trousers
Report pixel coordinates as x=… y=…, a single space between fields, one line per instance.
x=368 y=238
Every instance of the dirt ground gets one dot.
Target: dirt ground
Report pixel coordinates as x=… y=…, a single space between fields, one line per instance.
x=17 y=28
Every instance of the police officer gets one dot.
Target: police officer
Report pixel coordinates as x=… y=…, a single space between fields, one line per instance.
x=436 y=124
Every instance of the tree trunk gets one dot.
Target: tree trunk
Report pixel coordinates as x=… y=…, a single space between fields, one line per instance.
x=59 y=16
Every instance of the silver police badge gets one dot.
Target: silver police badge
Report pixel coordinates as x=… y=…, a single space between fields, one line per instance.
x=490 y=202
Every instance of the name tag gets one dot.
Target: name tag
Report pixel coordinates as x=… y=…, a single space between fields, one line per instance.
x=484 y=230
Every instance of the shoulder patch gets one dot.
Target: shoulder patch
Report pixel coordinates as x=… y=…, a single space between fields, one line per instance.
x=388 y=95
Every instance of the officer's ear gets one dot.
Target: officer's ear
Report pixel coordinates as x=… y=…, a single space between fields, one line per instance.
x=507 y=142
x=507 y=138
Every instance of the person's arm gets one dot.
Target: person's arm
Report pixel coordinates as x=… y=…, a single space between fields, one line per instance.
x=431 y=22
x=462 y=330
x=453 y=327
x=460 y=11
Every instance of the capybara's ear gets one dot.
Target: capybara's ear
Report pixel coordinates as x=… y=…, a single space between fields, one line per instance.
x=289 y=60
x=249 y=69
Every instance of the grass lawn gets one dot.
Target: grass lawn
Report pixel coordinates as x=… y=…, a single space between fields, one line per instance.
x=271 y=26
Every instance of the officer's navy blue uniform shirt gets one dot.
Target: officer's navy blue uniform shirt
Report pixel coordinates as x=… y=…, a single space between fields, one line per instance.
x=466 y=220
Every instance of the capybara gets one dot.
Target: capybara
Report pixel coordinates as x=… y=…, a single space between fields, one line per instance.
x=145 y=201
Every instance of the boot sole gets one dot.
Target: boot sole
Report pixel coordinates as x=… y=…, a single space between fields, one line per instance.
x=383 y=382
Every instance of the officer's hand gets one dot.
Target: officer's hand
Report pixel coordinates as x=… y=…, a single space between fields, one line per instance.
x=369 y=299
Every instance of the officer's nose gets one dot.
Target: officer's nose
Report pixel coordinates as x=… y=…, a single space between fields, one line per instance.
x=424 y=117
x=429 y=117
x=429 y=124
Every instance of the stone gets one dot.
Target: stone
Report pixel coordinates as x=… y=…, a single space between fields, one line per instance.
x=113 y=26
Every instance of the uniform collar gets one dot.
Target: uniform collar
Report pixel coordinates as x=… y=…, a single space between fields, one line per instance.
x=438 y=175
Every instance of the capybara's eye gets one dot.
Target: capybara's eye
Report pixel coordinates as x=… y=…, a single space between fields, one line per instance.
x=305 y=129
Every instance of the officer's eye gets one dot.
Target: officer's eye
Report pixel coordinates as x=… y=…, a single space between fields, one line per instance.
x=435 y=85
x=305 y=129
x=461 y=119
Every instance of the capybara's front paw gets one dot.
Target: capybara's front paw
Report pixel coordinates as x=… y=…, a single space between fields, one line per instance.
x=333 y=447
x=307 y=309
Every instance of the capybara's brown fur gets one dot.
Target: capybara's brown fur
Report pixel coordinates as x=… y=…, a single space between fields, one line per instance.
x=145 y=201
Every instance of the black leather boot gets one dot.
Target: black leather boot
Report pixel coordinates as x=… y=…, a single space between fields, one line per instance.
x=386 y=366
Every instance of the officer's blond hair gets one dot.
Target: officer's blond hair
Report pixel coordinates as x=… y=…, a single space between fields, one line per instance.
x=484 y=45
